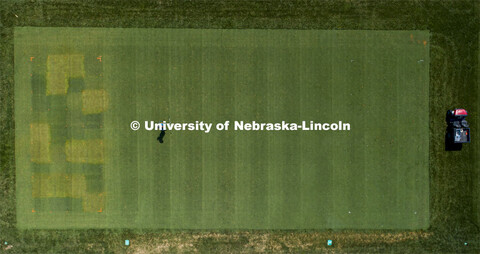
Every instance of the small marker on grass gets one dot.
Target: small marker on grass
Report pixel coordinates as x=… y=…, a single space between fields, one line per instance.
x=329 y=242
x=127 y=242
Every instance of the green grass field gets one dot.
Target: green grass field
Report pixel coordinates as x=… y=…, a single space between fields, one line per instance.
x=79 y=165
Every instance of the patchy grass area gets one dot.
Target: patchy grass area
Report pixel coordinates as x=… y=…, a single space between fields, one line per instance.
x=454 y=27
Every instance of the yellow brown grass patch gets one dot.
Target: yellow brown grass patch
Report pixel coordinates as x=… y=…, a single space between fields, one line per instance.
x=85 y=151
x=94 y=101
x=57 y=63
x=40 y=143
x=59 y=69
x=63 y=185
x=93 y=202
x=71 y=65
x=57 y=83
x=58 y=185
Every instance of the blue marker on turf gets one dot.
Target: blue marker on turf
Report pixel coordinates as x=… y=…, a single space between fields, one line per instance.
x=127 y=242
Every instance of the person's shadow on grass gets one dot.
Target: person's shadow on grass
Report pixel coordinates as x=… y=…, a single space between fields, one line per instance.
x=160 y=137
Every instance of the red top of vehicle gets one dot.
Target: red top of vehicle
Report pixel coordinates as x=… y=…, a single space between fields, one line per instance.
x=460 y=112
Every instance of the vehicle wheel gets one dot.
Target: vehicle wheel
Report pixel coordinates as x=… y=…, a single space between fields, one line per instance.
x=450 y=114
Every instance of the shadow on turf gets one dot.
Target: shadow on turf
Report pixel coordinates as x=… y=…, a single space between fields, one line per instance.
x=160 y=137
x=449 y=146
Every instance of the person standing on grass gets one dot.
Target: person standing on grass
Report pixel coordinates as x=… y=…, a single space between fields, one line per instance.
x=162 y=134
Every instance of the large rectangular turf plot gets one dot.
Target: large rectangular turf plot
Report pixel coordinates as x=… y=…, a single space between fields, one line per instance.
x=79 y=165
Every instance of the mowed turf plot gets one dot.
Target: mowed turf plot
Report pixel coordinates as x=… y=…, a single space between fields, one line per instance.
x=79 y=165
